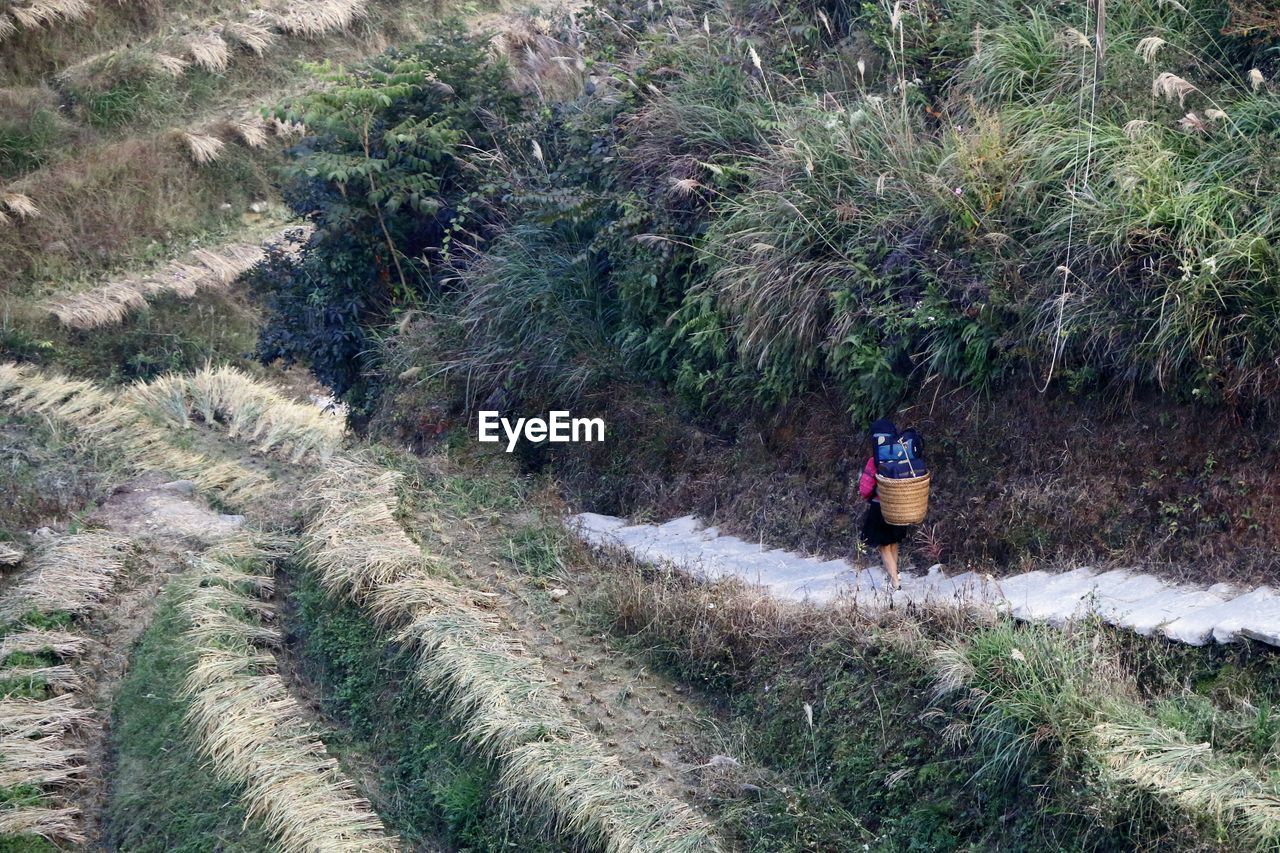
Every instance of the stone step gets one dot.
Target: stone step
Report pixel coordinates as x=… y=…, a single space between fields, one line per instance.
x=1126 y=598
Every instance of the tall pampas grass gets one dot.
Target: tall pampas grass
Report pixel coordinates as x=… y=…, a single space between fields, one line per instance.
x=1170 y=86
x=1148 y=48
x=287 y=128
x=203 y=147
x=313 y=18
x=257 y=735
x=251 y=130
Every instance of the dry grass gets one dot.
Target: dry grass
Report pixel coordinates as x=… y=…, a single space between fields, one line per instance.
x=74 y=575
x=209 y=51
x=353 y=538
x=57 y=679
x=98 y=418
x=251 y=130
x=314 y=18
x=173 y=66
x=41 y=717
x=58 y=643
x=203 y=147
x=250 y=35
x=38 y=761
x=540 y=63
x=508 y=711
x=54 y=824
x=1192 y=775
x=203 y=269
x=41 y=14
x=19 y=205
x=251 y=411
x=102 y=204
x=255 y=732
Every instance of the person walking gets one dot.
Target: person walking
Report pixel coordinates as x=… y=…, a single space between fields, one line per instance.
x=876 y=532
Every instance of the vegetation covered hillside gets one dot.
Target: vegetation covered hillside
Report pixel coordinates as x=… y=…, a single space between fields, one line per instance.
x=261 y=589
x=1044 y=234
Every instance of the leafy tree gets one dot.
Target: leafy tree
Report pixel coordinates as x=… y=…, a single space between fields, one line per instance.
x=389 y=175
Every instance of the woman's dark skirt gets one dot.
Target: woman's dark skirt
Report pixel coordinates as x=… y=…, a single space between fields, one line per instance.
x=876 y=532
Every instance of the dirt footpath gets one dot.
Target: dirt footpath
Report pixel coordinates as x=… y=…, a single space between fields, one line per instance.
x=165 y=521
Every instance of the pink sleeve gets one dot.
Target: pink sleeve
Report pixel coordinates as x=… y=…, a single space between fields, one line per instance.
x=867 y=482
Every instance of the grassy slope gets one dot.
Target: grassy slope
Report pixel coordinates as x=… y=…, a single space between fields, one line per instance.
x=163 y=796
x=895 y=759
x=1089 y=471
x=47 y=476
x=435 y=791
x=114 y=187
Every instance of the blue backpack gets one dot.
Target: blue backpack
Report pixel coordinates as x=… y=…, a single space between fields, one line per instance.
x=899 y=455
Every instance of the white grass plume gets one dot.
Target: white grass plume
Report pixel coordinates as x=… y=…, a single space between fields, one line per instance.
x=209 y=51
x=1148 y=48
x=19 y=205
x=251 y=36
x=1170 y=86
x=203 y=147
x=313 y=18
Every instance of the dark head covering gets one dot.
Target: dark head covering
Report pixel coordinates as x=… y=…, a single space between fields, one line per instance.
x=882 y=425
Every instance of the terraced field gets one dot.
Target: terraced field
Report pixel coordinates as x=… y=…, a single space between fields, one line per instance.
x=239 y=615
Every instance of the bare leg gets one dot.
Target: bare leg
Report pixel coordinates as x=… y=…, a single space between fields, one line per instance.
x=889 y=556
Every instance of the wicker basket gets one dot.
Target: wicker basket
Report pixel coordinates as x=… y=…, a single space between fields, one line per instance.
x=904 y=501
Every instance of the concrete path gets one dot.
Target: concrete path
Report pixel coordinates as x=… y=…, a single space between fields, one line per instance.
x=1144 y=603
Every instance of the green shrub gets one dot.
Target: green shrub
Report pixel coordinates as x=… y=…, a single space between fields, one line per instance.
x=31 y=129
x=392 y=181
x=119 y=88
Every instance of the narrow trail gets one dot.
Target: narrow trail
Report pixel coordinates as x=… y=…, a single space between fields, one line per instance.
x=1125 y=598
x=166 y=521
